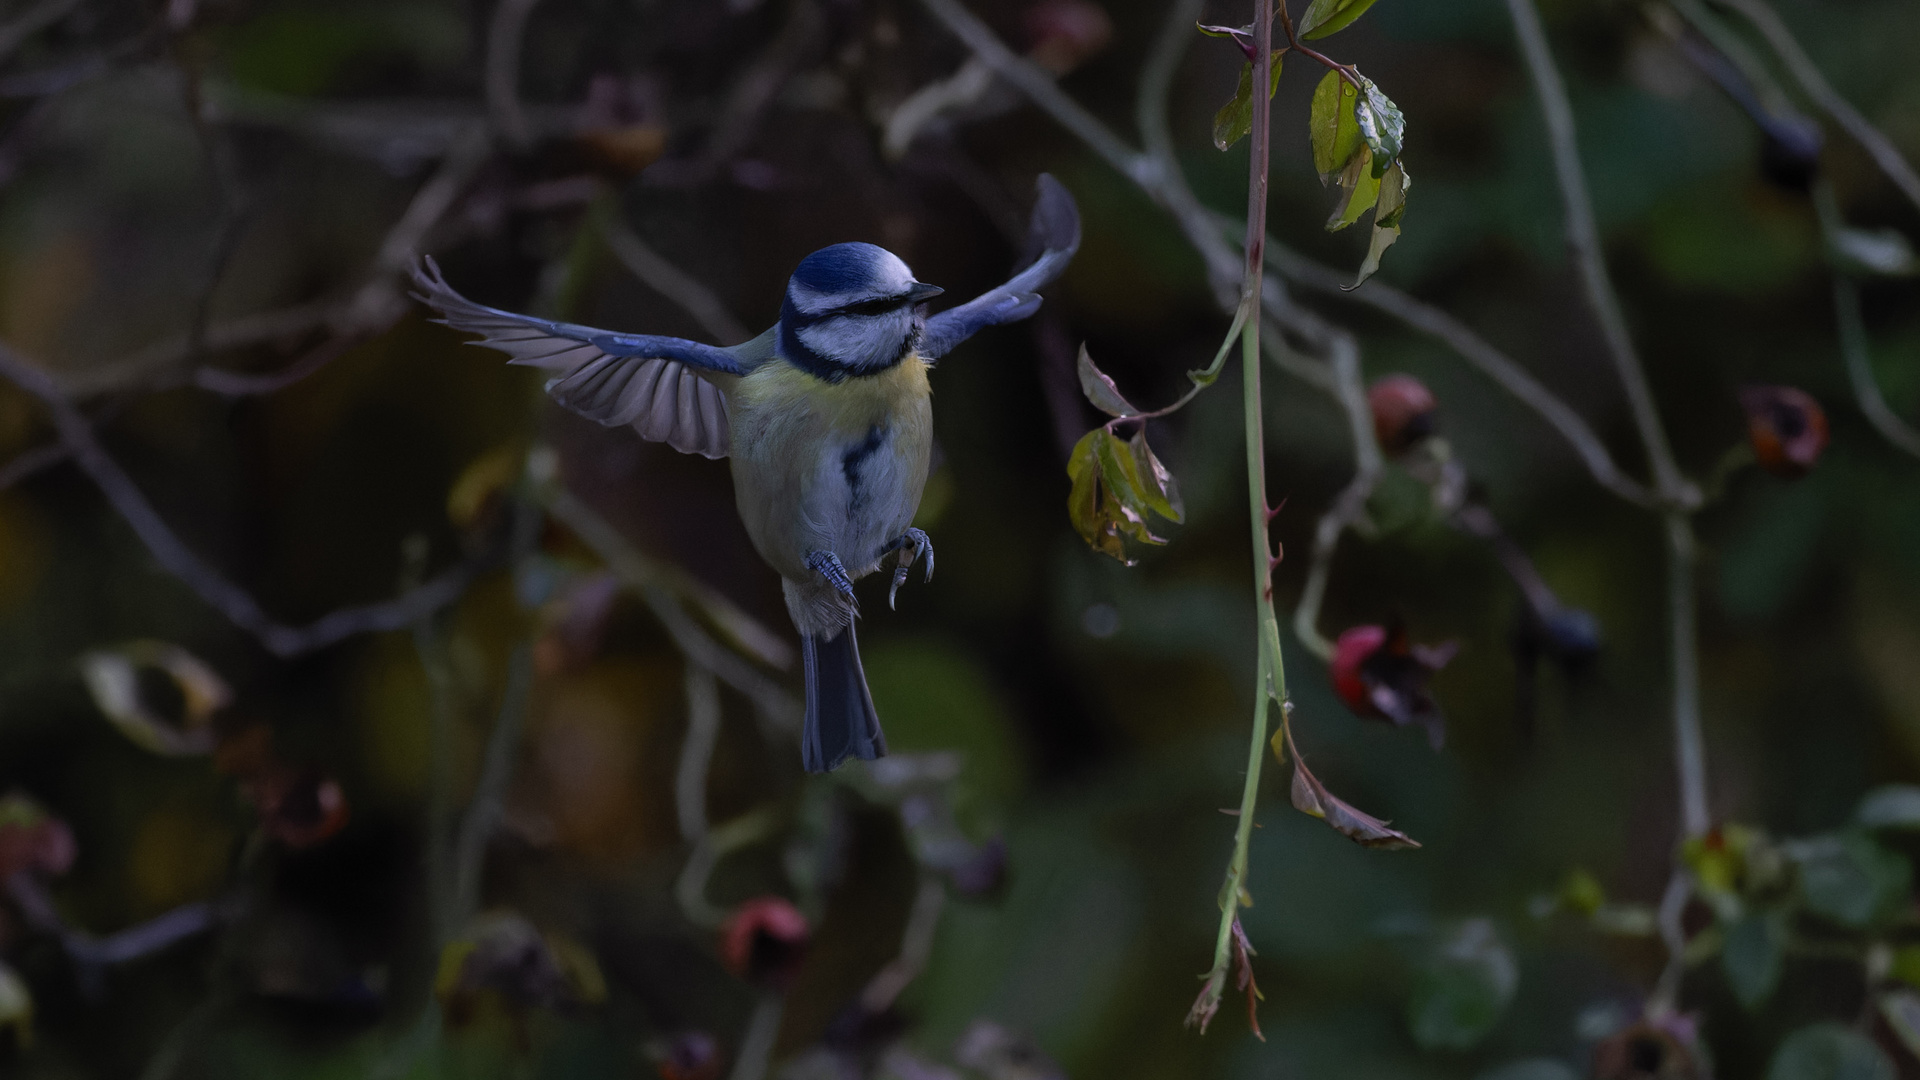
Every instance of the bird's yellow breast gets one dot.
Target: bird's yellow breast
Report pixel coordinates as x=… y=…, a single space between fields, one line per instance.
x=851 y=406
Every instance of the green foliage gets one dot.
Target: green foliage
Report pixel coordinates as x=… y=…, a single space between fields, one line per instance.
x=1751 y=952
x=1829 y=1052
x=1463 y=989
x=1850 y=879
x=1326 y=17
x=1115 y=484
x=1380 y=124
x=1895 y=806
x=1356 y=132
x=1235 y=118
x=1331 y=126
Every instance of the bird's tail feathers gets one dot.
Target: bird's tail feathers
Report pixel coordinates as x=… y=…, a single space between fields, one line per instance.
x=841 y=720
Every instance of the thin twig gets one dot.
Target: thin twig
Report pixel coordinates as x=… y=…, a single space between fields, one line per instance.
x=696 y=753
x=916 y=947
x=1855 y=347
x=1866 y=389
x=1477 y=351
x=30 y=896
x=664 y=592
x=754 y=92
x=434 y=664
x=690 y=795
x=756 y=1044
x=663 y=277
x=1348 y=507
x=209 y=584
x=1583 y=242
x=489 y=796
x=504 y=45
x=32 y=462
x=1808 y=75
x=1678 y=496
x=31 y=22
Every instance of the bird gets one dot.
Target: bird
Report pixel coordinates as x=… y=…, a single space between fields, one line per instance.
x=826 y=419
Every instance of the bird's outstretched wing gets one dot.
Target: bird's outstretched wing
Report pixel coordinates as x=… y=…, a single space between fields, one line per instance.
x=1056 y=232
x=659 y=385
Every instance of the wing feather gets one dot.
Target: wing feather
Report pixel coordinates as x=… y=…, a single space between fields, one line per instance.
x=660 y=385
x=1055 y=232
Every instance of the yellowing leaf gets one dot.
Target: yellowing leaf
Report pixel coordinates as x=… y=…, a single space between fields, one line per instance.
x=1156 y=483
x=171 y=715
x=1387 y=209
x=1362 y=188
x=1332 y=127
x=1100 y=389
x=1235 y=118
x=1326 y=17
x=1114 y=490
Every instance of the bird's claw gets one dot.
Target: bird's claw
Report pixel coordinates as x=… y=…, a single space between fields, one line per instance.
x=910 y=545
x=828 y=565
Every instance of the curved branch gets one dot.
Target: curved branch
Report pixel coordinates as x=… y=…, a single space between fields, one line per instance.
x=1583 y=242
x=504 y=36
x=177 y=559
x=1855 y=347
x=1808 y=75
x=1477 y=351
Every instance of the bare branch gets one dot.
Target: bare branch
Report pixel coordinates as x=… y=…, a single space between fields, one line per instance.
x=756 y=1044
x=690 y=794
x=1808 y=75
x=663 y=593
x=1037 y=83
x=177 y=559
x=375 y=306
x=31 y=22
x=916 y=947
x=1477 y=351
x=675 y=284
x=754 y=91
x=1583 y=242
x=1858 y=352
x=1679 y=496
x=504 y=43
x=29 y=894
x=32 y=462
x=489 y=796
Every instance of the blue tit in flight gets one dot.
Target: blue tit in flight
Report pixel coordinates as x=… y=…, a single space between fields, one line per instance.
x=827 y=418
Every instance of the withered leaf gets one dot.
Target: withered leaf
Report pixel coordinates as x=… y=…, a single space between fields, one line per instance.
x=1310 y=796
x=1100 y=389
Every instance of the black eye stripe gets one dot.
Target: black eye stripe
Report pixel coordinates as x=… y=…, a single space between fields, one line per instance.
x=879 y=306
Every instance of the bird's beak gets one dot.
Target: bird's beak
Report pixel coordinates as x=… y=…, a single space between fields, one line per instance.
x=919 y=291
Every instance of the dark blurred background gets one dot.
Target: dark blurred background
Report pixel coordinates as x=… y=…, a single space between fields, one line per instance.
x=197 y=192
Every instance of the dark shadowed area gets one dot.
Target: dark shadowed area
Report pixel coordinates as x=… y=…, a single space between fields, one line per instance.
x=363 y=713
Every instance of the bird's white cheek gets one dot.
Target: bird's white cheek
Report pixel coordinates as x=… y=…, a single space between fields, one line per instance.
x=859 y=341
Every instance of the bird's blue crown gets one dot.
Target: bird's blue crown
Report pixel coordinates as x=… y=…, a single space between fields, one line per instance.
x=849 y=309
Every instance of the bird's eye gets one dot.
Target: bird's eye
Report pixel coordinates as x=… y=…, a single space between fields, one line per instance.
x=877 y=306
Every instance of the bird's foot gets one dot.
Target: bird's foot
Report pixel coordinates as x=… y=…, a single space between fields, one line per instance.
x=911 y=544
x=828 y=565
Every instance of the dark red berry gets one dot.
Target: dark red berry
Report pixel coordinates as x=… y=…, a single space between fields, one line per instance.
x=764 y=941
x=1381 y=675
x=1403 y=412
x=1788 y=429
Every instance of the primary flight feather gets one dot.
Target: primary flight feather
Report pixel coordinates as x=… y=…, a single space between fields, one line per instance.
x=827 y=418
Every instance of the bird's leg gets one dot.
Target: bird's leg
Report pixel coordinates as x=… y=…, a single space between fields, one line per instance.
x=828 y=565
x=910 y=545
